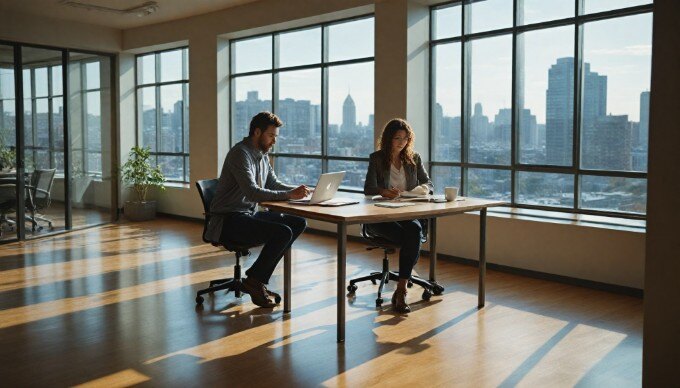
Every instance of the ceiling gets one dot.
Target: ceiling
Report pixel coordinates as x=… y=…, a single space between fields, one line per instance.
x=167 y=10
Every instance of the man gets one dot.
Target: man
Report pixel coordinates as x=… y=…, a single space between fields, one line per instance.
x=247 y=178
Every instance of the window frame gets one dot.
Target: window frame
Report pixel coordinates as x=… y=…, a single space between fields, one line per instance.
x=157 y=84
x=323 y=65
x=578 y=20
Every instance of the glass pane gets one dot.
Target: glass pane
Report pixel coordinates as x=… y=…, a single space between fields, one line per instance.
x=537 y=11
x=58 y=161
x=41 y=82
x=146 y=69
x=351 y=40
x=355 y=173
x=28 y=122
x=350 y=110
x=488 y=15
x=592 y=6
x=545 y=83
x=94 y=163
x=447 y=21
x=172 y=120
x=42 y=160
x=146 y=113
x=8 y=191
x=42 y=122
x=297 y=171
x=251 y=96
x=252 y=54
x=490 y=184
x=58 y=122
x=28 y=92
x=445 y=176
x=617 y=68
x=300 y=47
x=172 y=167
x=92 y=75
x=491 y=96
x=614 y=194
x=545 y=189
x=57 y=80
x=447 y=95
x=171 y=65
x=299 y=106
x=94 y=139
x=187 y=170
x=185 y=62
x=186 y=117
x=7 y=83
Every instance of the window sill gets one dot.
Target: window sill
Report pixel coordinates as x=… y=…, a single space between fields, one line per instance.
x=177 y=185
x=586 y=220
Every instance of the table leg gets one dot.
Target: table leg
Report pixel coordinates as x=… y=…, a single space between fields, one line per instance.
x=342 y=261
x=482 y=258
x=286 y=280
x=433 y=249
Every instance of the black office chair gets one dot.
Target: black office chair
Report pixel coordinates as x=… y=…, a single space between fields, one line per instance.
x=388 y=247
x=206 y=189
x=40 y=198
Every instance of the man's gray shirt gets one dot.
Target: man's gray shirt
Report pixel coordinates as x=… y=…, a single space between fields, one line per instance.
x=247 y=178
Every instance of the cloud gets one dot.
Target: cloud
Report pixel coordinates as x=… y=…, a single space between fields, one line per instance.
x=636 y=50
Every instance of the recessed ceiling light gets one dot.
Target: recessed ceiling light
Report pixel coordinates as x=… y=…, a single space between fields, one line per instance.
x=140 y=10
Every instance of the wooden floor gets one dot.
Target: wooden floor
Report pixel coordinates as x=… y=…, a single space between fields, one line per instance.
x=114 y=306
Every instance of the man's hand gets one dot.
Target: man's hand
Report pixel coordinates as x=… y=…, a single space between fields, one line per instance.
x=299 y=192
x=390 y=193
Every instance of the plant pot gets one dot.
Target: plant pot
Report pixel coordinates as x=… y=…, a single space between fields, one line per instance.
x=140 y=211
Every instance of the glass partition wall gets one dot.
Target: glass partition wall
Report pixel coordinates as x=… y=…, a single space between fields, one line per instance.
x=56 y=148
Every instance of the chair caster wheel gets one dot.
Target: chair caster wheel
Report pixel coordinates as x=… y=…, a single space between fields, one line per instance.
x=378 y=302
x=437 y=289
x=427 y=295
x=409 y=284
x=199 y=300
x=352 y=288
x=374 y=282
x=277 y=299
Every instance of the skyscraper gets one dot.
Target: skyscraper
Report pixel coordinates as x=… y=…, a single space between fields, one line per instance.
x=559 y=120
x=643 y=134
x=349 y=114
x=560 y=108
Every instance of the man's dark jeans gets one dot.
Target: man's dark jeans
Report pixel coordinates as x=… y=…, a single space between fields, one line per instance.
x=275 y=230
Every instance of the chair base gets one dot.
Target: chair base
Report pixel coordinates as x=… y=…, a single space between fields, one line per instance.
x=385 y=276
x=234 y=284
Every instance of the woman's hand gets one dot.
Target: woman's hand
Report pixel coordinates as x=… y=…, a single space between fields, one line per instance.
x=390 y=193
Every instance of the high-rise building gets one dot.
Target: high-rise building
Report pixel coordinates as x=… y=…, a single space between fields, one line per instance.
x=559 y=115
x=349 y=114
x=606 y=144
x=479 y=125
x=560 y=108
x=643 y=133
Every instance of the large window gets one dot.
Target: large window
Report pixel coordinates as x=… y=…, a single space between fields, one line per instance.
x=319 y=80
x=547 y=111
x=44 y=116
x=163 y=110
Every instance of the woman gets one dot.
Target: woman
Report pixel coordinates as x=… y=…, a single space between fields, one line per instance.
x=393 y=169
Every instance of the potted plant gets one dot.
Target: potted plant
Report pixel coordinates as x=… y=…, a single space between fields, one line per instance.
x=138 y=173
x=7 y=158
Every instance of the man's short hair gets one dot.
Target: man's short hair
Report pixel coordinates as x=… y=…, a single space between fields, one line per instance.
x=263 y=120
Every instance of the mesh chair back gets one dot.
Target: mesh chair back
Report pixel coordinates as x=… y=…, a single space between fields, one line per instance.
x=206 y=189
x=42 y=181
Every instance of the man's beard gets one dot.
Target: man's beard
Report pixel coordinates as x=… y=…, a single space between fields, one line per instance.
x=265 y=147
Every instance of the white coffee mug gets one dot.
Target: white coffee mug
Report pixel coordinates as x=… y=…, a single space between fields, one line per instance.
x=450 y=193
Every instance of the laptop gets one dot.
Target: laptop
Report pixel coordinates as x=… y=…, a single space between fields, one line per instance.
x=324 y=191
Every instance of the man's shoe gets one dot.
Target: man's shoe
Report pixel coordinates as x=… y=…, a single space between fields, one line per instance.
x=258 y=292
x=399 y=302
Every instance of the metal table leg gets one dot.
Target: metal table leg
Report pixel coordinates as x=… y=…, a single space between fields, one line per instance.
x=287 y=280
x=433 y=249
x=342 y=263
x=482 y=258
